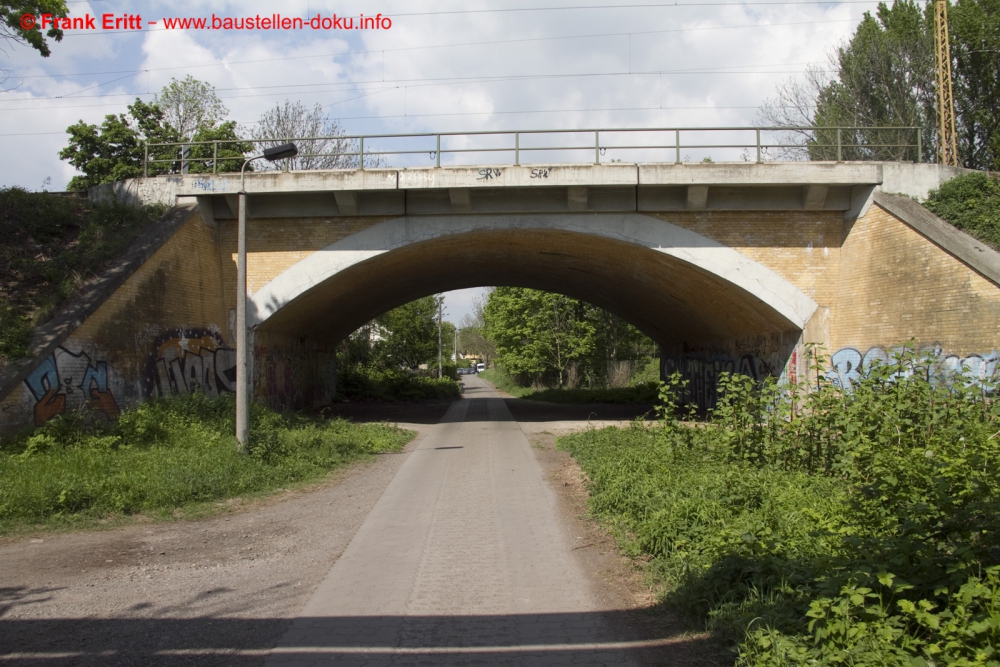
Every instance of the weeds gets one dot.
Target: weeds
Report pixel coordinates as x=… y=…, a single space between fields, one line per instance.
x=52 y=245
x=820 y=527
x=375 y=382
x=164 y=454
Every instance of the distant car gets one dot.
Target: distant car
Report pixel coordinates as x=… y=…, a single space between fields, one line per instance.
x=480 y=368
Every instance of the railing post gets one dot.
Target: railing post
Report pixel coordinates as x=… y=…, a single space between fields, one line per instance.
x=145 y=159
x=215 y=157
x=677 y=146
x=517 y=149
x=361 y=154
x=840 y=157
x=437 y=152
x=758 y=145
x=597 y=146
x=920 y=146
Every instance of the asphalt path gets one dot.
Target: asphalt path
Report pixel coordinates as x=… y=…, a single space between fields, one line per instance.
x=462 y=560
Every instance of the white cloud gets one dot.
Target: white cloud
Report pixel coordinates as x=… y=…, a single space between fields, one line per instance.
x=573 y=96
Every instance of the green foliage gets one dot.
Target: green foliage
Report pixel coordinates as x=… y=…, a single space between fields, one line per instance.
x=535 y=332
x=51 y=246
x=114 y=151
x=543 y=338
x=885 y=77
x=376 y=382
x=971 y=202
x=638 y=394
x=10 y=22
x=820 y=527
x=164 y=454
x=502 y=380
x=975 y=50
x=190 y=105
x=410 y=333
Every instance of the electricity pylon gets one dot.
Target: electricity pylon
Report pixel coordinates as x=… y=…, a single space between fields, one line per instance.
x=947 y=149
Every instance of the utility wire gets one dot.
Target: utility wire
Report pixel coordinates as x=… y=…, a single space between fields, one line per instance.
x=445 y=46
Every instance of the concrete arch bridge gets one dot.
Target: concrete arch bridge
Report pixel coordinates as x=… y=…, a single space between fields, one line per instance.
x=729 y=267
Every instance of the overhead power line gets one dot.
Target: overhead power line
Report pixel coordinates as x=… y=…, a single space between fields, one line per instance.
x=408 y=83
x=523 y=40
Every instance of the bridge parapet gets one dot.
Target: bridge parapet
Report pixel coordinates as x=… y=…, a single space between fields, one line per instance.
x=830 y=186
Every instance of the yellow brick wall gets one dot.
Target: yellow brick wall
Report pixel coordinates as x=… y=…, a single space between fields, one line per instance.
x=168 y=327
x=163 y=330
x=274 y=244
x=896 y=285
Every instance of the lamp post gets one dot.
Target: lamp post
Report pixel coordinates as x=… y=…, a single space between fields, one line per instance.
x=242 y=350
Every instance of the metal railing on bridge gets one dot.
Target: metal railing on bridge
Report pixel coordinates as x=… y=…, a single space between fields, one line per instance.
x=758 y=144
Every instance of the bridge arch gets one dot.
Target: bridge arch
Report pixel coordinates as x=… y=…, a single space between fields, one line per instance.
x=673 y=283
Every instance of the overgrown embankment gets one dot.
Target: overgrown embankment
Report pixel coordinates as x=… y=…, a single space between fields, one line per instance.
x=823 y=528
x=971 y=203
x=51 y=246
x=168 y=454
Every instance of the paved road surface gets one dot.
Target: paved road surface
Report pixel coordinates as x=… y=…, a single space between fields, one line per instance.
x=461 y=561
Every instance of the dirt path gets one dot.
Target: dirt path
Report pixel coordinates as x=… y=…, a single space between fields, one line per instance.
x=222 y=591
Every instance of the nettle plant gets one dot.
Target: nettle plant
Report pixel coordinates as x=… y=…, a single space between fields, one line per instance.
x=911 y=574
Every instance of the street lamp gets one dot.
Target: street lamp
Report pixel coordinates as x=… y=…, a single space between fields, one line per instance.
x=242 y=351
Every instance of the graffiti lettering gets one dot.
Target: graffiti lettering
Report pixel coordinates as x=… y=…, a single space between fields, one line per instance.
x=702 y=374
x=489 y=173
x=539 y=173
x=188 y=360
x=205 y=184
x=848 y=365
x=67 y=382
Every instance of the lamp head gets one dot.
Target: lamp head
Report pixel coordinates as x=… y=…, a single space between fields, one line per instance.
x=280 y=152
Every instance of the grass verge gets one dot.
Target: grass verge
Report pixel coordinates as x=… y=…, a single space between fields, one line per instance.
x=166 y=455
x=848 y=528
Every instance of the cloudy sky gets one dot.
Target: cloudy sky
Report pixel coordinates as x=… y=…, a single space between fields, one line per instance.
x=442 y=66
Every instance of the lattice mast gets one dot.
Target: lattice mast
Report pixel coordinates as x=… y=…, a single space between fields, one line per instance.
x=947 y=148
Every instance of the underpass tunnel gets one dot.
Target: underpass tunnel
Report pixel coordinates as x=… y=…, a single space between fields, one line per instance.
x=685 y=309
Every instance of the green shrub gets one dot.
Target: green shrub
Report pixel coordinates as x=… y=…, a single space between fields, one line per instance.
x=164 y=454
x=374 y=382
x=638 y=394
x=971 y=202
x=827 y=527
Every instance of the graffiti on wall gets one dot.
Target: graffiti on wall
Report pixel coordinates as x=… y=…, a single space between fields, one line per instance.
x=67 y=382
x=702 y=373
x=187 y=360
x=848 y=365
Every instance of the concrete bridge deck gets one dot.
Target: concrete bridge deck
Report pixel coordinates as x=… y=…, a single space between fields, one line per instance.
x=618 y=186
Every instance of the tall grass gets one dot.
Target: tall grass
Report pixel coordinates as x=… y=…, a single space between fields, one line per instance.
x=164 y=454
x=827 y=527
x=378 y=383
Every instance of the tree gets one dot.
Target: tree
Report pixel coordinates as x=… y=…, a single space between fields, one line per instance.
x=537 y=332
x=114 y=151
x=885 y=77
x=12 y=29
x=292 y=120
x=409 y=333
x=189 y=106
x=975 y=35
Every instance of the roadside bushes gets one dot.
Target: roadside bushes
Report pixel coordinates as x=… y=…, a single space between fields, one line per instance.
x=827 y=527
x=376 y=382
x=164 y=454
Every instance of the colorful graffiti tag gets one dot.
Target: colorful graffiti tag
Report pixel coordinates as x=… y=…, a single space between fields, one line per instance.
x=848 y=365
x=68 y=383
x=187 y=360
